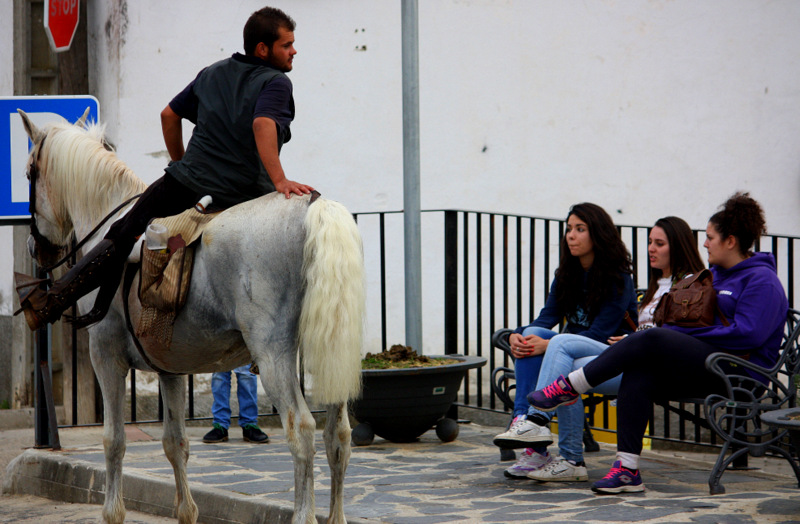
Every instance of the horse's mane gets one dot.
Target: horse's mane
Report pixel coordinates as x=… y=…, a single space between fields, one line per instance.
x=85 y=179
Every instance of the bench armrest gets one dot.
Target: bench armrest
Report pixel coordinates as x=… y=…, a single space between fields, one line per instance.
x=500 y=340
x=741 y=380
x=735 y=414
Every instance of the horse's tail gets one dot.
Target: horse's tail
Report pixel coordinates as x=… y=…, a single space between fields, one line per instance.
x=331 y=320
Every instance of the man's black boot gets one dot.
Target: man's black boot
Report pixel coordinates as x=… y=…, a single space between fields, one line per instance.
x=93 y=270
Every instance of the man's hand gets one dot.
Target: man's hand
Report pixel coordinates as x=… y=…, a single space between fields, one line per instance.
x=287 y=187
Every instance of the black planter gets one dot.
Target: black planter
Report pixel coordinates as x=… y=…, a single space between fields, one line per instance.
x=402 y=404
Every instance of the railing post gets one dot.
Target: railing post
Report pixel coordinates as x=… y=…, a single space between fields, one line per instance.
x=450 y=282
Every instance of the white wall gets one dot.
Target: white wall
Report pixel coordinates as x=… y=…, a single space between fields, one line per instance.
x=6 y=89
x=646 y=108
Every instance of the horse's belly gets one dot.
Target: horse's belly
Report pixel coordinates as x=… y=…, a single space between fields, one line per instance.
x=196 y=350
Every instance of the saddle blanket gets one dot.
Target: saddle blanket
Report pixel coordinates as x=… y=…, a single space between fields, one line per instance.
x=166 y=275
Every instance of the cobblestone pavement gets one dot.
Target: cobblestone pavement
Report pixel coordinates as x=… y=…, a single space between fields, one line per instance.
x=429 y=482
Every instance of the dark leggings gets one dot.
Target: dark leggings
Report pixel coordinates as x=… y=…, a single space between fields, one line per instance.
x=657 y=364
x=164 y=197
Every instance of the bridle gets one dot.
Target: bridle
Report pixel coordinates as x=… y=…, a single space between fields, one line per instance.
x=42 y=241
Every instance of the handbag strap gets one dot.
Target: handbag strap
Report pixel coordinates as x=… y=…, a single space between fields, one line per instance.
x=631 y=324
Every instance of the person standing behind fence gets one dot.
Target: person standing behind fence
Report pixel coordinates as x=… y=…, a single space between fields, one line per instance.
x=669 y=362
x=247 y=393
x=592 y=290
x=673 y=255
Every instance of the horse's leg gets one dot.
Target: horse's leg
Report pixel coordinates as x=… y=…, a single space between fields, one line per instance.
x=176 y=445
x=279 y=377
x=337 y=448
x=111 y=377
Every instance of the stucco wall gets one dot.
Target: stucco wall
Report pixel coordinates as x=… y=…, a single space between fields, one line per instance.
x=646 y=108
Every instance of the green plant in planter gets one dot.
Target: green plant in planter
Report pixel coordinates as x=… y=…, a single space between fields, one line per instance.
x=401 y=357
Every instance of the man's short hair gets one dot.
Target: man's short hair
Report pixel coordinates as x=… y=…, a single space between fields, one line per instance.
x=262 y=26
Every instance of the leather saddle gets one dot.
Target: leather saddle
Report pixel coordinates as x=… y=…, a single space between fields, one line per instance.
x=165 y=276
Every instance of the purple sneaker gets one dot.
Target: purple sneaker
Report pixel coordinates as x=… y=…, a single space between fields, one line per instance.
x=559 y=393
x=619 y=480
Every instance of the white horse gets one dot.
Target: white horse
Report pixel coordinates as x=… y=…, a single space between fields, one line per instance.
x=272 y=277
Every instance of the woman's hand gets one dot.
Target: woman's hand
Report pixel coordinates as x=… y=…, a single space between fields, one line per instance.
x=613 y=340
x=529 y=346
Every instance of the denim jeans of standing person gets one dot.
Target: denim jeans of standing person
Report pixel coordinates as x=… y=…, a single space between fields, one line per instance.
x=246 y=391
x=566 y=353
x=526 y=371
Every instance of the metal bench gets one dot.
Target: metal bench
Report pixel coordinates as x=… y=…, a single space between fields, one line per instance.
x=734 y=417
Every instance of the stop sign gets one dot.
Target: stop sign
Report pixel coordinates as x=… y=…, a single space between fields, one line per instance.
x=60 y=22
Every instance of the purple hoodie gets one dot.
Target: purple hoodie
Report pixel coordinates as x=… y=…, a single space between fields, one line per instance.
x=753 y=300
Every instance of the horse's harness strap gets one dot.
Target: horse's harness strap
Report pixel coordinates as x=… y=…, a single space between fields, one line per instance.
x=127 y=284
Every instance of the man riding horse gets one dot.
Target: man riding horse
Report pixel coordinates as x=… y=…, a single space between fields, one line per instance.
x=242 y=108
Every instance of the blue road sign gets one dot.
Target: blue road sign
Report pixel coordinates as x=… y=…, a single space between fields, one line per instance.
x=15 y=145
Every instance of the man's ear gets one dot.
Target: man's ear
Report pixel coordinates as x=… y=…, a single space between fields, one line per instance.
x=262 y=50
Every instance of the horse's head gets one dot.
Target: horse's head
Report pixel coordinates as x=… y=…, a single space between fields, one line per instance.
x=49 y=233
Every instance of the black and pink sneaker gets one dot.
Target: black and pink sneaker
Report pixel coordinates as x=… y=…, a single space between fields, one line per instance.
x=559 y=393
x=619 y=480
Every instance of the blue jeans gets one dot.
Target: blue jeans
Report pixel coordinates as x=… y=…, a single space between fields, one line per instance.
x=246 y=391
x=526 y=371
x=566 y=353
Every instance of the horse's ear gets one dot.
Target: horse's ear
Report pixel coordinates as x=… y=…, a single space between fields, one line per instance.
x=82 y=120
x=34 y=132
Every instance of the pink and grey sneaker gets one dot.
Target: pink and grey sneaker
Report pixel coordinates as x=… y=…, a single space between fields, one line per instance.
x=619 y=480
x=529 y=461
x=559 y=393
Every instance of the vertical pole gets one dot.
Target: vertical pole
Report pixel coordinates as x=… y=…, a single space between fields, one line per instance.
x=411 y=169
x=41 y=422
x=45 y=423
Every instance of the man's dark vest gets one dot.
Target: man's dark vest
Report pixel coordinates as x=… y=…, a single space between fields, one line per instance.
x=221 y=159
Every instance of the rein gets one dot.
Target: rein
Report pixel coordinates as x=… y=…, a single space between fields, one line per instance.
x=37 y=235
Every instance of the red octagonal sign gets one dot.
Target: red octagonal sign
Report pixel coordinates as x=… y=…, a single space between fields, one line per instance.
x=61 y=22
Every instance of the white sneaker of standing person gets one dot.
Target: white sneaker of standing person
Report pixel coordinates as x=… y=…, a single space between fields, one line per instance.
x=560 y=470
x=523 y=434
x=528 y=462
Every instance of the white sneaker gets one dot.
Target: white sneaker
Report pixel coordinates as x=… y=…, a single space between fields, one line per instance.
x=522 y=434
x=528 y=461
x=560 y=470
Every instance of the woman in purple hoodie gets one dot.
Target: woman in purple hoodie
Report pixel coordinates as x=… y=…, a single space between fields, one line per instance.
x=669 y=362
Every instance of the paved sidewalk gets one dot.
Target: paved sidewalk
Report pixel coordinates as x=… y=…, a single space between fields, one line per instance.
x=425 y=482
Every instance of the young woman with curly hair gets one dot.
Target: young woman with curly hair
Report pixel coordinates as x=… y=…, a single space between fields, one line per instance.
x=591 y=292
x=669 y=362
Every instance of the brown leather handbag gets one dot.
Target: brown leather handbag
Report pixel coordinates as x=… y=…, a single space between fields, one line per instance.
x=691 y=302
